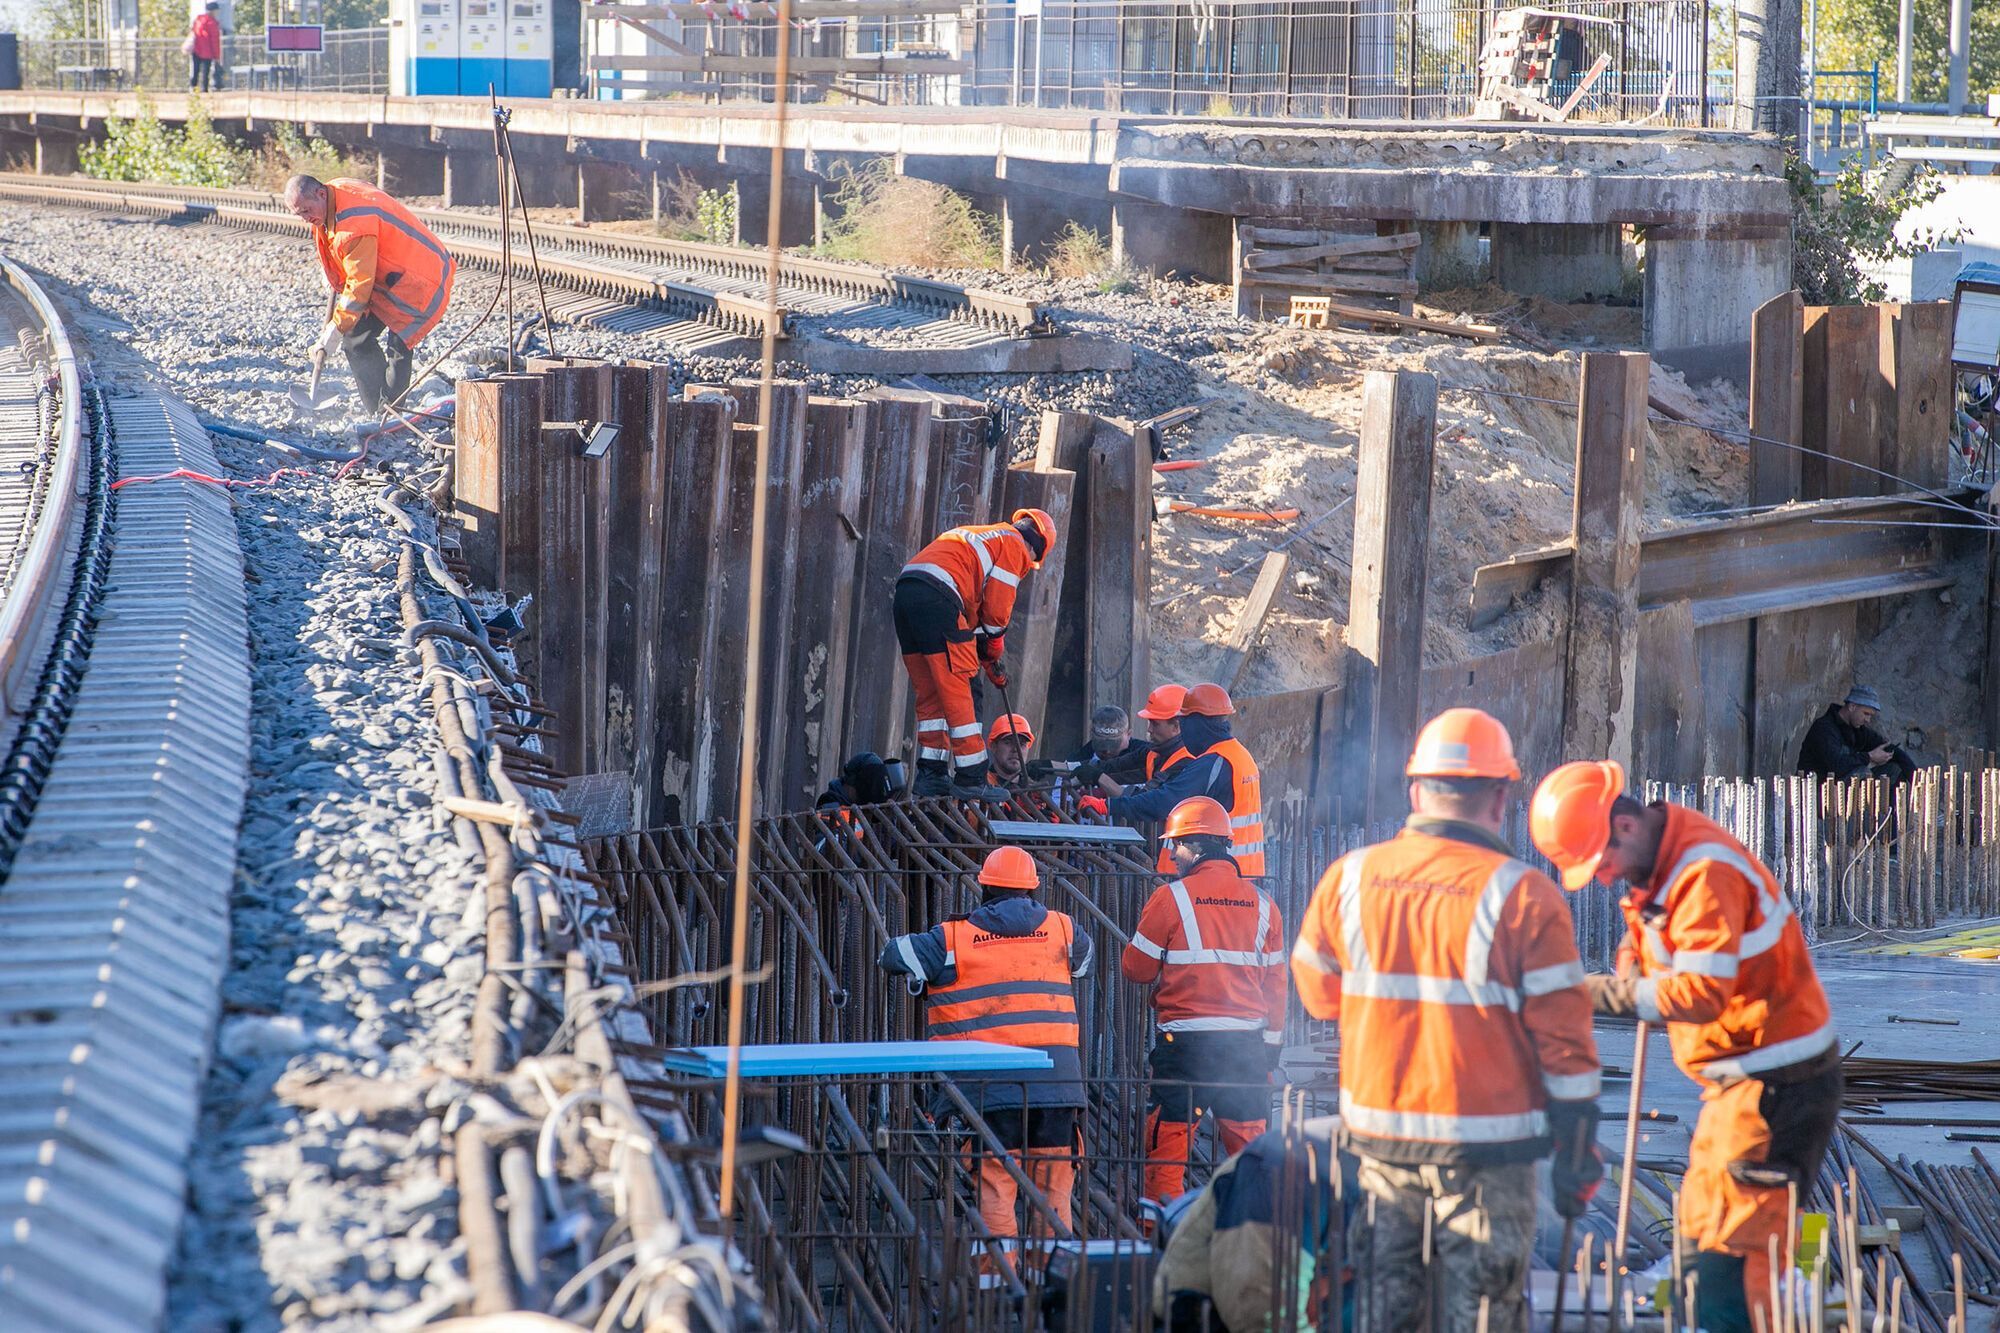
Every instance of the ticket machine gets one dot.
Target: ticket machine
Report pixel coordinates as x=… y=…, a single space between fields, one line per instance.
x=482 y=51
x=530 y=48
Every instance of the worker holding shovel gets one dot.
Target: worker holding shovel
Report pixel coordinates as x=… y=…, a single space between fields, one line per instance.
x=1716 y=953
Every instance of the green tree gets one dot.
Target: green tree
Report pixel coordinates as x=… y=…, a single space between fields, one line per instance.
x=1857 y=34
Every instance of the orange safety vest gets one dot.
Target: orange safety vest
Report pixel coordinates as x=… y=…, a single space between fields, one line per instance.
x=1453 y=971
x=1724 y=961
x=1013 y=989
x=1153 y=762
x=1246 y=808
x=380 y=260
x=1215 y=943
x=983 y=566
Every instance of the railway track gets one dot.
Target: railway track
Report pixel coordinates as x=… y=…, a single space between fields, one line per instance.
x=693 y=295
x=126 y=709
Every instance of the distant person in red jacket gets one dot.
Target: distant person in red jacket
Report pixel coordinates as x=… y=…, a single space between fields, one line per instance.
x=204 y=48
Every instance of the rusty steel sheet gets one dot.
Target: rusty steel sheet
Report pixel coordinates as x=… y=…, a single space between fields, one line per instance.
x=1731 y=569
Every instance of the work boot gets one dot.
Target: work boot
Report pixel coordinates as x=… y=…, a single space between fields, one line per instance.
x=933 y=779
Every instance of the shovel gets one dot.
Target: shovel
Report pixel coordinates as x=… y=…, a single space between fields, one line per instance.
x=309 y=397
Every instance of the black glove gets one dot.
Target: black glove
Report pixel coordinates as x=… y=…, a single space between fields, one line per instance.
x=1041 y=770
x=1578 y=1167
x=1088 y=774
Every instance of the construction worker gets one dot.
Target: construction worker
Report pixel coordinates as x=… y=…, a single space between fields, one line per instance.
x=1453 y=970
x=1221 y=1270
x=865 y=779
x=1724 y=964
x=390 y=279
x=1004 y=973
x=1112 y=748
x=1212 y=945
x=1218 y=767
x=1008 y=741
x=1163 y=738
x=952 y=605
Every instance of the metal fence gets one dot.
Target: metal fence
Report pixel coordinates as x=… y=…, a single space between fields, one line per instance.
x=355 y=61
x=1308 y=59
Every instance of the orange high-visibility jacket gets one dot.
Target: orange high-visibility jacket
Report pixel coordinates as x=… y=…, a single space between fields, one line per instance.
x=379 y=259
x=1246 y=808
x=983 y=566
x=1453 y=971
x=1013 y=989
x=1215 y=943
x=1157 y=765
x=1724 y=961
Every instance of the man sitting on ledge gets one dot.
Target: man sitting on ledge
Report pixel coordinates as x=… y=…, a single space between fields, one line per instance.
x=1844 y=744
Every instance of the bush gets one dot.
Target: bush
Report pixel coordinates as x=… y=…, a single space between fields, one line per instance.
x=288 y=153
x=143 y=149
x=899 y=222
x=690 y=213
x=1838 y=227
x=1078 y=252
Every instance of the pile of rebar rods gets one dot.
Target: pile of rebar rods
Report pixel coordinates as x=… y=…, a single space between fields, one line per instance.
x=1921 y=1081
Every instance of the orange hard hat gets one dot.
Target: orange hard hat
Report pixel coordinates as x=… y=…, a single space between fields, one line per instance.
x=1207 y=701
x=1164 y=702
x=1463 y=743
x=1009 y=868
x=1042 y=524
x=1198 y=814
x=1014 y=724
x=1570 y=819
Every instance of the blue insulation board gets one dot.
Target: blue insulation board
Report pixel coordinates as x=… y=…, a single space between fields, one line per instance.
x=836 y=1059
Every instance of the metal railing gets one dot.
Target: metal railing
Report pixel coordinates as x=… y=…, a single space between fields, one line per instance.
x=355 y=61
x=1411 y=60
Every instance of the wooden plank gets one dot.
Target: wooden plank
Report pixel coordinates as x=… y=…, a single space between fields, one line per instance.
x=778 y=707
x=1064 y=445
x=1256 y=235
x=1119 y=559
x=495 y=483
x=1604 y=573
x=1340 y=249
x=823 y=606
x=1522 y=686
x=1031 y=638
x=897 y=458
x=883 y=66
x=1800 y=662
x=568 y=614
x=695 y=435
x=1667 y=721
x=1385 y=619
x=1922 y=389
x=1331 y=282
x=635 y=506
x=1243 y=635
x=1777 y=398
x=1359 y=315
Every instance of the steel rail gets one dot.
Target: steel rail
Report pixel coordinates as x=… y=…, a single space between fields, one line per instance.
x=477 y=237
x=30 y=592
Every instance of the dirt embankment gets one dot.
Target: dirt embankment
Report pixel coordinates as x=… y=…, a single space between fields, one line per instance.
x=1280 y=432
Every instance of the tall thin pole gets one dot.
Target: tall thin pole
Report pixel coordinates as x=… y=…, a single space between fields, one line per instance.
x=732 y=1092
x=1905 y=19
x=1961 y=55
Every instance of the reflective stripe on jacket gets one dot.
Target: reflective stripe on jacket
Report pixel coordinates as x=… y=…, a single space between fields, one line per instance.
x=1724 y=961
x=1453 y=971
x=380 y=260
x=1215 y=943
x=1013 y=989
x=983 y=566
x=1246 y=807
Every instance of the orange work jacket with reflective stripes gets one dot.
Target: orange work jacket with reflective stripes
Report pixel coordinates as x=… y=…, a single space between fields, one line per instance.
x=1215 y=944
x=1013 y=989
x=380 y=260
x=1453 y=970
x=1246 y=808
x=983 y=566
x=1723 y=959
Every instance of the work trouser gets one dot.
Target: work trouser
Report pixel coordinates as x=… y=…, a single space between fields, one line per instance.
x=1481 y=1227
x=380 y=360
x=941 y=657
x=1753 y=1142
x=1224 y=1073
x=1045 y=1145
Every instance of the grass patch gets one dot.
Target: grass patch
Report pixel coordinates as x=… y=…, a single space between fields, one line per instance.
x=899 y=222
x=287 y=153
x=690 y=213
x=144 y=149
